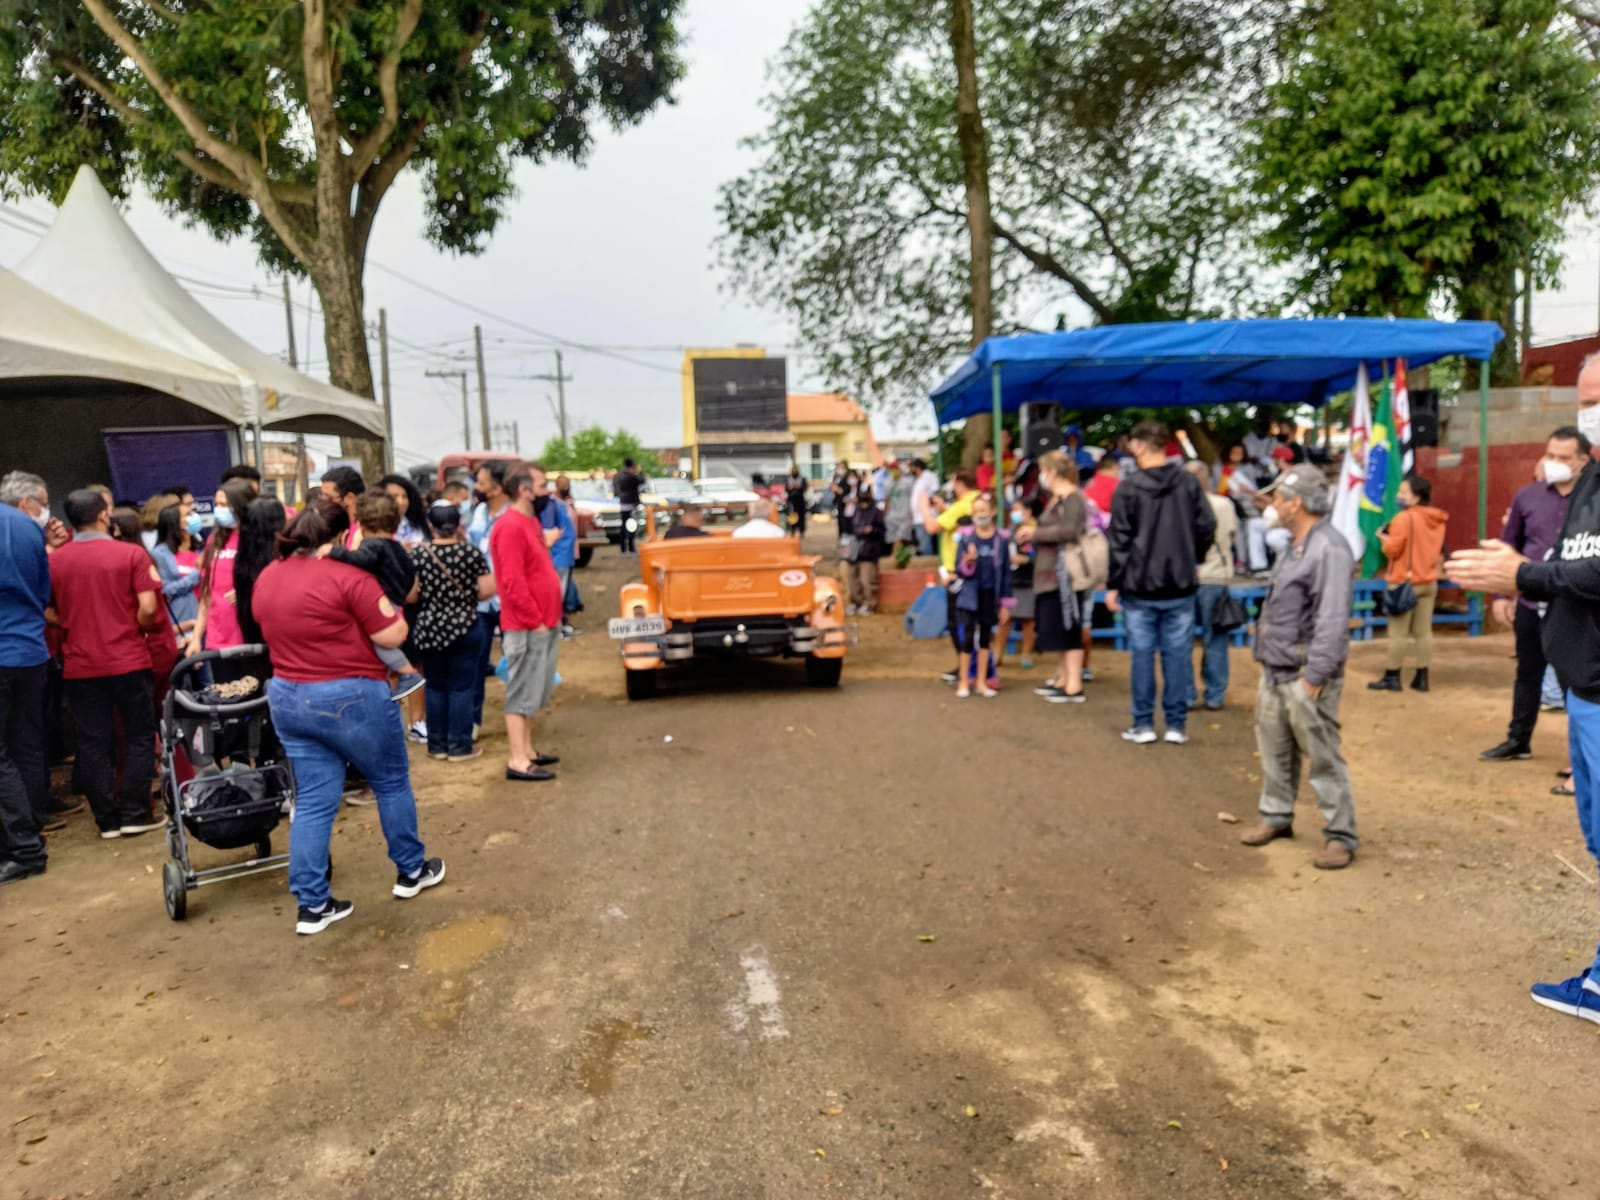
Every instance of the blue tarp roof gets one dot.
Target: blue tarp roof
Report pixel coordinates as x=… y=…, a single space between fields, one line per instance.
x=1182 y=364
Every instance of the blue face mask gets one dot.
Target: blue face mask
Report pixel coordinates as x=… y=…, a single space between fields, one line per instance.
x=194 y=524
x=224 y=517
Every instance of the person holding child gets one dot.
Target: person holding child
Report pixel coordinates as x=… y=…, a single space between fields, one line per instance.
x=380 y=554
x=983 y=564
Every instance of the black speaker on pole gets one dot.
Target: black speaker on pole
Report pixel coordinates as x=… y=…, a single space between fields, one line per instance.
x=1425 y=417
x=1041 y=429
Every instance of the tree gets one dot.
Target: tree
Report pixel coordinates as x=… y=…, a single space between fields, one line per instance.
x=1419 y=152
x=592 y=448
x=855 y=217
x=289 y=122
x=975 y=180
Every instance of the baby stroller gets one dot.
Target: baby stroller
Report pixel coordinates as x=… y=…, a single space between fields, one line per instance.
x=222 y=779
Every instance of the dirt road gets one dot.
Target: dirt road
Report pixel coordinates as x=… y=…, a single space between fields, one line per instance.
x=866 y=943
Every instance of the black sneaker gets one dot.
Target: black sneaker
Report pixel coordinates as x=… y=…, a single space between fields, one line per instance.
x=949 y=677
x=136 y=826
x=407 y=886
x=1507 y=751
x=315 y=920
x=1088 y=675
x=1065 y=697
x=1048 y=689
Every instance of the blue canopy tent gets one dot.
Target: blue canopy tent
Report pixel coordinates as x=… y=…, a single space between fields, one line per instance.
x=1184 y=364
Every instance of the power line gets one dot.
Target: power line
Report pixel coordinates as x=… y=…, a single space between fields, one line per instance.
x=494 y=316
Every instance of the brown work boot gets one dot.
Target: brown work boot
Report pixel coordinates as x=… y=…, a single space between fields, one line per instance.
x=1334 y=856
x=1261 y=833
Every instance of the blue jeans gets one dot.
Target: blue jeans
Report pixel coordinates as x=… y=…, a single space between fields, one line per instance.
x=1168 y=626
x=1550 y=689
x=1214 y=646
x=925 y=542
x=324 y=726
x=454 y=678
x=1583 y=745
x=486 y=622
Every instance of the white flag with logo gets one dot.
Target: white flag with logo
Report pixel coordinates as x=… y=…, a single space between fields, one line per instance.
x=1353 y=475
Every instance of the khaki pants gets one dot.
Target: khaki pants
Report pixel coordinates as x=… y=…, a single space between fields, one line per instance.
x=1290 y=723
x=861 y=584
x=1418 y=624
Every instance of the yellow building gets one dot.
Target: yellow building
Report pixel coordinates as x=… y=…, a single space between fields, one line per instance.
x=830 y=428
x=734 y=420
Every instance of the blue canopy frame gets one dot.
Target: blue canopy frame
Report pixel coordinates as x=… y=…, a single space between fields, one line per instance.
x=1279 y=361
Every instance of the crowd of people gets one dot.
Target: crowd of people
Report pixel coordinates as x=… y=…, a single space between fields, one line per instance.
x=360 y=601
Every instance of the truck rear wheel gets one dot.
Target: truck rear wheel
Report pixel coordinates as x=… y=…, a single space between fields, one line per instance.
x=641 y=684
x=823 y=672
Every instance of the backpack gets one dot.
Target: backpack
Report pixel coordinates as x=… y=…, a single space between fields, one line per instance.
x=1086 y=566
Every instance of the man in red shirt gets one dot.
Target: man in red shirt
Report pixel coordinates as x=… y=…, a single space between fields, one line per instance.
x=1107 y=474
x=530 y=621
x=106 y=594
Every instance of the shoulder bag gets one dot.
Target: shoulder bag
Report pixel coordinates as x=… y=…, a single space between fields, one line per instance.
x=1402 y=597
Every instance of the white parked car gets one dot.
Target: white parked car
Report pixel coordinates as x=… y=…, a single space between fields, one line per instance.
x=723 y=497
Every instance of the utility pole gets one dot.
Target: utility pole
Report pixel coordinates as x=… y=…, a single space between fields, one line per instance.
x=483 y=386
x=388 y=409
x=466 y=410
x=560 y=379
x=288 y=313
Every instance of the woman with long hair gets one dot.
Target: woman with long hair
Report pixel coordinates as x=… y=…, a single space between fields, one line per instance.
x=216 y=625
x=1059 y=613
x=178 y=582
x=258 y=547
x=413 y=510
x=329 y=698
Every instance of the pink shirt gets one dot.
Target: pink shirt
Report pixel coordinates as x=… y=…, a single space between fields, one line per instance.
x=222 y=614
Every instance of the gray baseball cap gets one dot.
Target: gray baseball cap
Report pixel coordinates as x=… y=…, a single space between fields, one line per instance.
x=1302 y=481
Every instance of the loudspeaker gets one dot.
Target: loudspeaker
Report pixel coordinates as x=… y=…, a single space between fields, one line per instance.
x=1425 y=417
x=1041 y=429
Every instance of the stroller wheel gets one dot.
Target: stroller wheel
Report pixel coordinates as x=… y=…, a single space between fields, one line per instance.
x=173 y=890
x=264 y=848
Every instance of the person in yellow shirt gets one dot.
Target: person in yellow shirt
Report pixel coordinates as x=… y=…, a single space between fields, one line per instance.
x=945 y=518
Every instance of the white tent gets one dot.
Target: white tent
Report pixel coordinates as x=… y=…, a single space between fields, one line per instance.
x=42 y=338
x=91 y=260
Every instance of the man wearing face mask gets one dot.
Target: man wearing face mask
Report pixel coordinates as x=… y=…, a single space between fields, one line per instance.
x=1302 y=641
x=1569 y=584
x=24 y=669
x=1532 y=527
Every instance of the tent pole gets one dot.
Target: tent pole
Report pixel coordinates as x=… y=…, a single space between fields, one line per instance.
x=1483 y=448
x=938 y=446
x=994 y=440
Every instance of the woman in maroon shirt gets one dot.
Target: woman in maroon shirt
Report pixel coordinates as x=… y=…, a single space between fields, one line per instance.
x=329 y=697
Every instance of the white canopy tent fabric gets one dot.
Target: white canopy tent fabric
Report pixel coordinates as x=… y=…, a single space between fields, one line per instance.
x=43 y=338
x=94 y=262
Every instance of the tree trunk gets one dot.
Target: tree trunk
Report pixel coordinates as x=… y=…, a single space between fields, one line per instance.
x=344 y=332
x=980 y=221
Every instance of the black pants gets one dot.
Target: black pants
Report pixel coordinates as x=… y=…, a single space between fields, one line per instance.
x=1530 y=674
x=627 y=531
x=24 y=783
x=952 y=616
x=97 y=704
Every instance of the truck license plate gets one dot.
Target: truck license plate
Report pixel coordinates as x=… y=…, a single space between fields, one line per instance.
x=623 y=628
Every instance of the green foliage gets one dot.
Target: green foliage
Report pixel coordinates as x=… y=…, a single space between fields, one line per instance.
x=853 y=218
x=241 y=117
x=1417 y=152
x=593 y=448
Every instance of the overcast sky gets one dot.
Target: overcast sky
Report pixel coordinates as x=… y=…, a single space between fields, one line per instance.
x=618 y=252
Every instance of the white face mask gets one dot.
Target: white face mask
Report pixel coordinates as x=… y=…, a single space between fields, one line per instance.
x=1589 y=422
x=1271 y=517
x=1556 y=472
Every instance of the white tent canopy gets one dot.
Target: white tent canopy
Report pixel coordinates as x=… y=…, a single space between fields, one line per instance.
x=44 y=338
x=94 y=262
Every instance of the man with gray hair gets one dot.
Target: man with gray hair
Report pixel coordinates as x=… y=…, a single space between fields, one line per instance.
x=1302 y=641
x=24 y=671
x=760 y=524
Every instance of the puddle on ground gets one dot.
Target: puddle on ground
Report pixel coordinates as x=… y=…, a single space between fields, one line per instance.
x=603 y=1044
x=456 y=947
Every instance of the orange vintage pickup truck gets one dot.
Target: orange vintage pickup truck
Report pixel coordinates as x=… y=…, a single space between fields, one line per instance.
x=724 y=595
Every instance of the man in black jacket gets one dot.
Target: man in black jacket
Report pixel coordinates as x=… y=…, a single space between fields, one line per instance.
x=1569 y=583
x=1161 y=527
x=626 y=487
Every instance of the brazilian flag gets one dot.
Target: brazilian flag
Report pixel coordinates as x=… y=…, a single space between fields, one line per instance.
x=1385 y=472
